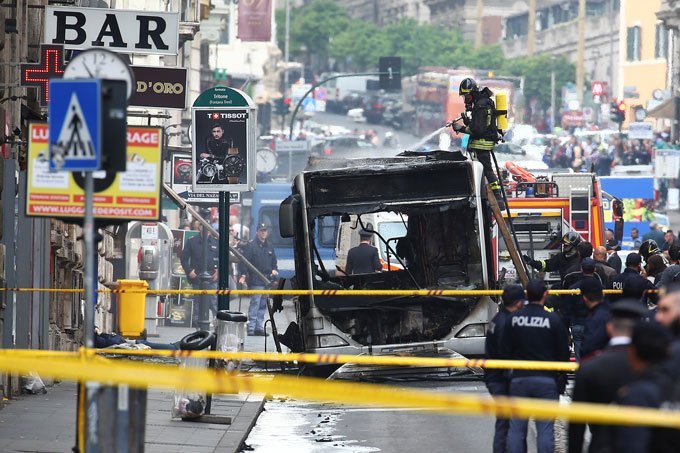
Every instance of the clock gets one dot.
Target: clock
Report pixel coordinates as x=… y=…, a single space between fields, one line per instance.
x=100 y=64
x=266 y=160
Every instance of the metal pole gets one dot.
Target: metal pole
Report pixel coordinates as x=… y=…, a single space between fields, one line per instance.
x=223 y=267
x=286 y=48
x=318 y=84
x=552 y=93
x=479 y=37
x=204 y=278
x=91 y=398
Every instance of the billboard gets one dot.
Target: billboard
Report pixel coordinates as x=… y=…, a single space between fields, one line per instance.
x=223 y=141
x=130 y=195
x=181 y=182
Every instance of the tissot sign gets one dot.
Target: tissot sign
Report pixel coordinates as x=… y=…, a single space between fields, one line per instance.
x=140 y=32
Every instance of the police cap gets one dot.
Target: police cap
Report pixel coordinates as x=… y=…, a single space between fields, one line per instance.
x=628 y=309
x=588 y=265
x=262 y=226
x=633 y=259
x=591 y=288
x=365 y=233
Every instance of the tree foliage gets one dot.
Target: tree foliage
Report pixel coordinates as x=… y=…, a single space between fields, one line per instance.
x=326 y=31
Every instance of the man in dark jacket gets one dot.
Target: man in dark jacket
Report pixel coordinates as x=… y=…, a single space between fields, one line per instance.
x=649 y=349
x=598 y=379
x=192 y=263
x=532 y=333
x=561 y=262
x=497 y=381
x=614 y=260
x=261 y=255
x=363 y=259
x=574 y=310
x=603 y=269
x=631 y=282
x=595 y=335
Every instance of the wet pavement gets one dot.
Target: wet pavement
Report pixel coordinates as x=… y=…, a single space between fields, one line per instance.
x=295 y=426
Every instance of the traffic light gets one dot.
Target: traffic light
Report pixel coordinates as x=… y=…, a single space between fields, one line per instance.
x=617 y=111
x=281 y=106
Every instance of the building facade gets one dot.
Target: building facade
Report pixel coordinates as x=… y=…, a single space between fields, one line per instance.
x=644 y=48
x=557 y=34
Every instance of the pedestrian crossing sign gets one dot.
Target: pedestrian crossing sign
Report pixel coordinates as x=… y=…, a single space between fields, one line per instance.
x=75 y=127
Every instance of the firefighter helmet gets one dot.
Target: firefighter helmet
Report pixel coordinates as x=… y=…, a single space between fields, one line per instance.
x=467 y=86
x=570 y=241
x=649 y=248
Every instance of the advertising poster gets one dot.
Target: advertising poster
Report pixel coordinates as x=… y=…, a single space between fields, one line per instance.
x=181 y=183
x=220 y=147
x=637 y=195
x=131 y=195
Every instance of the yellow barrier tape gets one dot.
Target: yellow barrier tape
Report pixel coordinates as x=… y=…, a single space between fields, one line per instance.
x=193 y=379
x=321 y=359
x=312 y=292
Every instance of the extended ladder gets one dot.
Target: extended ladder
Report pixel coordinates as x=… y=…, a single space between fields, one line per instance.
x=507 y=237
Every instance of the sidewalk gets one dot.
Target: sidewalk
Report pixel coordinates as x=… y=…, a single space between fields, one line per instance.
x=46 y=423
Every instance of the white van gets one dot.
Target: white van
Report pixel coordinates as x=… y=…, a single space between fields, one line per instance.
x=388 y=225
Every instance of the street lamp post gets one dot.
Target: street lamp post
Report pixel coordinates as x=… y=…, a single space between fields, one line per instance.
x=552 y=93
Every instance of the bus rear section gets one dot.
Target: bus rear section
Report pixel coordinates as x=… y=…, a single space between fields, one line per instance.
x=436 y=235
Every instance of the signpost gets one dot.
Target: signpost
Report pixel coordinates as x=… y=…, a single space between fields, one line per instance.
x=75 y=125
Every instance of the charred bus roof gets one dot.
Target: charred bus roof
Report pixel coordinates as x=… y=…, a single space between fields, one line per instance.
x=410 y=178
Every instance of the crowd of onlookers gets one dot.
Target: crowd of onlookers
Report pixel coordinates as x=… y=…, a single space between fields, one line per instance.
x=588 y=153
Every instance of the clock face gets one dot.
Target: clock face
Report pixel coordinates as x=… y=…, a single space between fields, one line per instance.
x=100 y=64
x=266 y=161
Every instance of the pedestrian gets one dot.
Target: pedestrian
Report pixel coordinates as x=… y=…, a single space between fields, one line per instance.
x=655 y=266
x=668 y=314
x=654 y=234
x=532 y=333
x=497 y=381
x=363 y=259
x=599 y=378
x=672 y=272
x=595 y=335
x=614 y=260
x=603 y=269
x=631 y=282
x=635 y=238
x=668 y=240
x=261 y=255
x=562 y=261
x=649 y=349
x=193 y=265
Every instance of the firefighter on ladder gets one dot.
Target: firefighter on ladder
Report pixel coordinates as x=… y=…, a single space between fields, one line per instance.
x=479 y=121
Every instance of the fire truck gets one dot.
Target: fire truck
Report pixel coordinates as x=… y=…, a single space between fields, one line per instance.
x=544 y=208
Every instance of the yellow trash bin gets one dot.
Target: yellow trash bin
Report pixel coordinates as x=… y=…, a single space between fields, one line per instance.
x=131 y=308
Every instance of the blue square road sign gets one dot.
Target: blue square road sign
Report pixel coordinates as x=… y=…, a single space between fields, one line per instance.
x=75 y=125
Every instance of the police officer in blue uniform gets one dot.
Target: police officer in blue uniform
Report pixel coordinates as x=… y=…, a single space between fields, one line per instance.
x=631 y=282
x=497 y=381
x=533 y=333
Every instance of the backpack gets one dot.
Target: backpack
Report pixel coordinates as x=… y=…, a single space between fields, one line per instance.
x=483 y=123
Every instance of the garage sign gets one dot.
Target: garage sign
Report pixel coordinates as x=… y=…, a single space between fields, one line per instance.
x=124 y=31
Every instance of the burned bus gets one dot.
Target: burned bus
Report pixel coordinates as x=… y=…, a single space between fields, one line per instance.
x=446 y=242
